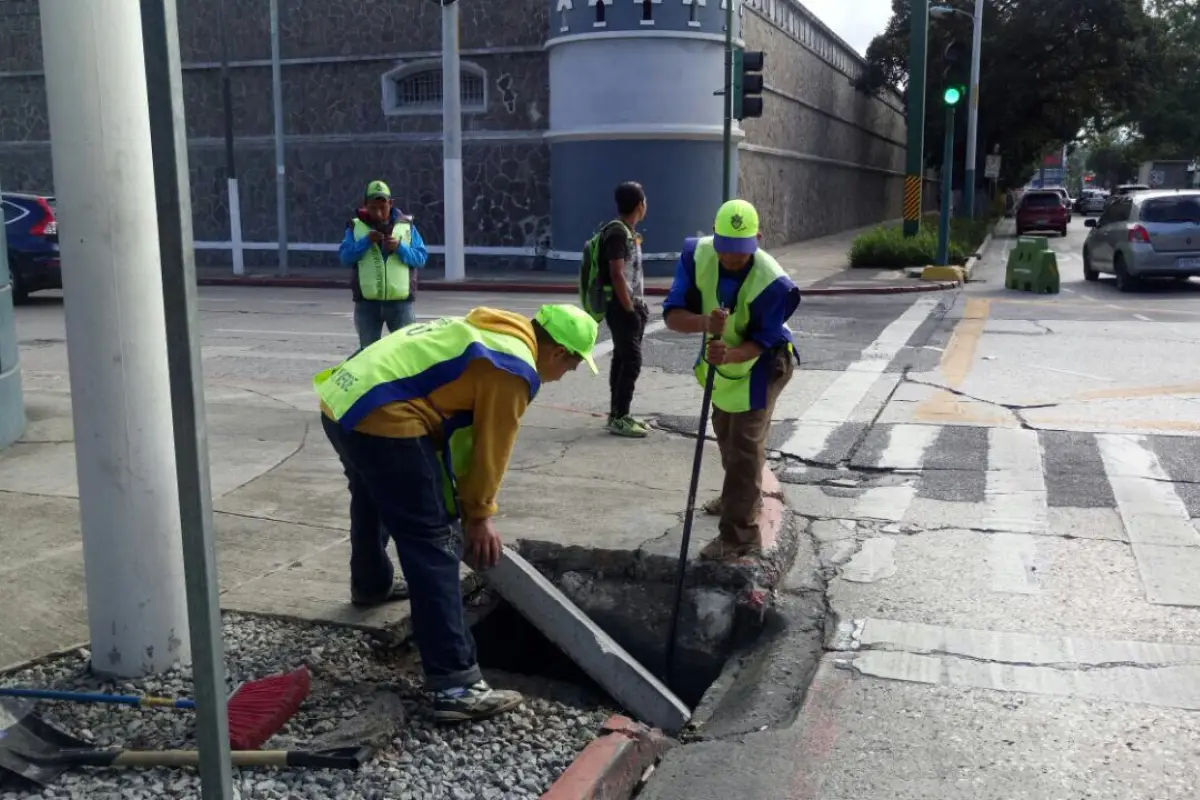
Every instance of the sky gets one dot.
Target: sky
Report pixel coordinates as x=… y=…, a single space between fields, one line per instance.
x=856 y=21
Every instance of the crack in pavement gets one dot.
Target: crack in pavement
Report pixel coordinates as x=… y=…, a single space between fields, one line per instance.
x=1065 y=666
x=1014 y=407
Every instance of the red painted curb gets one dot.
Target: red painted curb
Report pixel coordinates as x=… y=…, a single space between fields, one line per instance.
x=613 y=764
x=507 y=287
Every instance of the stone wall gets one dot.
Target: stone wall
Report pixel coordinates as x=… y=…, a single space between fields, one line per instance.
x=337 y=134
x=823 y=157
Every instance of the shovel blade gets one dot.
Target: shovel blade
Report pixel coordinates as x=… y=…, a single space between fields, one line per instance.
x=23 y=733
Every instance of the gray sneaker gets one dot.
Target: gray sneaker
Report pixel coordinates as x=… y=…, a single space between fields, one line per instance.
x=472 y=703
x=399 y=591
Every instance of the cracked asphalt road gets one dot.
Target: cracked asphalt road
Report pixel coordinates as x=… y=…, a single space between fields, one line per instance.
x=1003 y=524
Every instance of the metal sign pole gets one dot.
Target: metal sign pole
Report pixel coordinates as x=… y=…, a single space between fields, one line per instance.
x=168 y=138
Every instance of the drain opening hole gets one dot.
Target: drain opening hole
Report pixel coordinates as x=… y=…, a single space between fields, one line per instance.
x=508 y=642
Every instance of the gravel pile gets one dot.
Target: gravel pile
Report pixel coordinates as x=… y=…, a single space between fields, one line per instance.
x=359 y=686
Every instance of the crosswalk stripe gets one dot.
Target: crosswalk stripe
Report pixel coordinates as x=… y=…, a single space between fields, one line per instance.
x=1016 y=487
x=1165 y=543
x=837 y=403
x=905 y=450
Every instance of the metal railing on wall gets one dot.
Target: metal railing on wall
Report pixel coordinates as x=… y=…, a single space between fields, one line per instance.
x=801 y=25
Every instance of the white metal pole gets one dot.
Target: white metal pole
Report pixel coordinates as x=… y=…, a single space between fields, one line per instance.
x=456 y=269
x=116 y=335
x=12 y=402
x=973 y=111
x=280 y=167
x=235 y=205
x=235 y=227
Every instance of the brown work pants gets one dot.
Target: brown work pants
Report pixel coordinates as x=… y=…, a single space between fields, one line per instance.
x=742 y=438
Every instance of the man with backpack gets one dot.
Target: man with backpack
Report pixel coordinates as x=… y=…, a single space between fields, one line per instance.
x=612 y=289
x=385 y=250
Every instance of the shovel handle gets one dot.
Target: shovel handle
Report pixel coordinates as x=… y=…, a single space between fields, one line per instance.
x=351 y=758
x=92 y=697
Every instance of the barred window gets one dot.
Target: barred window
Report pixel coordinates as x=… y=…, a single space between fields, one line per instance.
x=417 y=89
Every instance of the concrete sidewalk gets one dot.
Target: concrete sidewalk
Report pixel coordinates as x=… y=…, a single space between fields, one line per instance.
x=280 y=504
x=818 y=266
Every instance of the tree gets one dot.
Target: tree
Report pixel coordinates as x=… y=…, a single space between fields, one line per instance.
x=1048 y=68
x=1114 y=159
x=1166 y=117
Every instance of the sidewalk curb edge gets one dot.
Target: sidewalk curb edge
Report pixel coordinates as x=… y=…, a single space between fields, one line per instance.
x=612 y=764
x=506 y=287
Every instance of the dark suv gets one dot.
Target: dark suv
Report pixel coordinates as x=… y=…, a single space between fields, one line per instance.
x=1042 y=210
x=32 y=233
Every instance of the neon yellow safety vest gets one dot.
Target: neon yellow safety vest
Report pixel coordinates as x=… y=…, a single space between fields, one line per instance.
x=413 y=362
x=382 y=278
x=731 y=387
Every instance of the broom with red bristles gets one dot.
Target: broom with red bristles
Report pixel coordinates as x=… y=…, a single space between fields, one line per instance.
x=257 y=709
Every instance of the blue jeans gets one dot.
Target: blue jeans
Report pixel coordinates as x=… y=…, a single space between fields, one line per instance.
x=371 y=315
x=396 y=488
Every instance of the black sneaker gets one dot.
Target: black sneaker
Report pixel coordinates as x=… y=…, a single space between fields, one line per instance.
x=472 y=703
x=399 y=591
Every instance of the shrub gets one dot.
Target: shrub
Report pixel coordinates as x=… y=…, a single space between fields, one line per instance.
x=886 y=247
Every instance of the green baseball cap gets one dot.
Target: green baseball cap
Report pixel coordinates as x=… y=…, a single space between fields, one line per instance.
x=378 y=189
x=736 y=228
x=571 y=327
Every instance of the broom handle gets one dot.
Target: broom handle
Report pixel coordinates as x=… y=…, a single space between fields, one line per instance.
x=89 y=697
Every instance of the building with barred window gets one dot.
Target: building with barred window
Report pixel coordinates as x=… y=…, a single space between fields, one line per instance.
x=561 y=100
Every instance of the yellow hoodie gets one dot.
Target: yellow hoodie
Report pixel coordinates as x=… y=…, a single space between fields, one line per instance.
x=495 y=397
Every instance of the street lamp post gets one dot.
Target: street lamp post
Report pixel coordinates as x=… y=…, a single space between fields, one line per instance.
x=973 y=100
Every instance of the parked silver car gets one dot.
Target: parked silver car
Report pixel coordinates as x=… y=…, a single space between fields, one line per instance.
x=1092 y=202
x=1145 y=234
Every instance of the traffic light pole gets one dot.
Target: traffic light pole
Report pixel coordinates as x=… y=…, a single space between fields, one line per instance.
x=727 y=98
x=915 y=161
x=973 y=111
x=943 y=250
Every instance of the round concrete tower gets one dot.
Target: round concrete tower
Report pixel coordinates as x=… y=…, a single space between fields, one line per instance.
x=631 y=98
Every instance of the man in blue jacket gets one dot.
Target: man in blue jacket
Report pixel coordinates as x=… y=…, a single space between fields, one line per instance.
x=730 y=289
x=385 y=249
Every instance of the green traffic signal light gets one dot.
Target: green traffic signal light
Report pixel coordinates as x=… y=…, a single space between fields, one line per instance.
x=952 y=95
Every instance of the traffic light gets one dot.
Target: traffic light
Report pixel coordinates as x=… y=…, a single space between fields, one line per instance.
x=747 y=83
x=953 y=89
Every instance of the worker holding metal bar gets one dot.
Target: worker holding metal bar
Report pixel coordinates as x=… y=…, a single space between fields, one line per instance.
x=728 y=287
x=424 y=422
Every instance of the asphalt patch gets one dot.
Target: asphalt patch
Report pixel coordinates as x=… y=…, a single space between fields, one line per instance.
x=1074 y=471
x=1177 y=455
x=958 y=448
x=954 y=485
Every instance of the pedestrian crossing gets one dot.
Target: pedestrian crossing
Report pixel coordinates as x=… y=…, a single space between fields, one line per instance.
x=1018 y=475
x=1017 y=485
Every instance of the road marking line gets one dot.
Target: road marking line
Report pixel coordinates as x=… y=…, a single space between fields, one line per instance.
x=1163 y=675
x=1013 y=561
x=905 y=450
x=1126 y=393
x=957 y=361
x=605 y=347
x=1142 y=317
x=338 y=334
x=1166 y=545
x=838 y=401
x=1016 y=488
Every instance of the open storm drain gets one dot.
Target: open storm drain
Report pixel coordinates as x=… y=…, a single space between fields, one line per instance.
x=508 y=642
